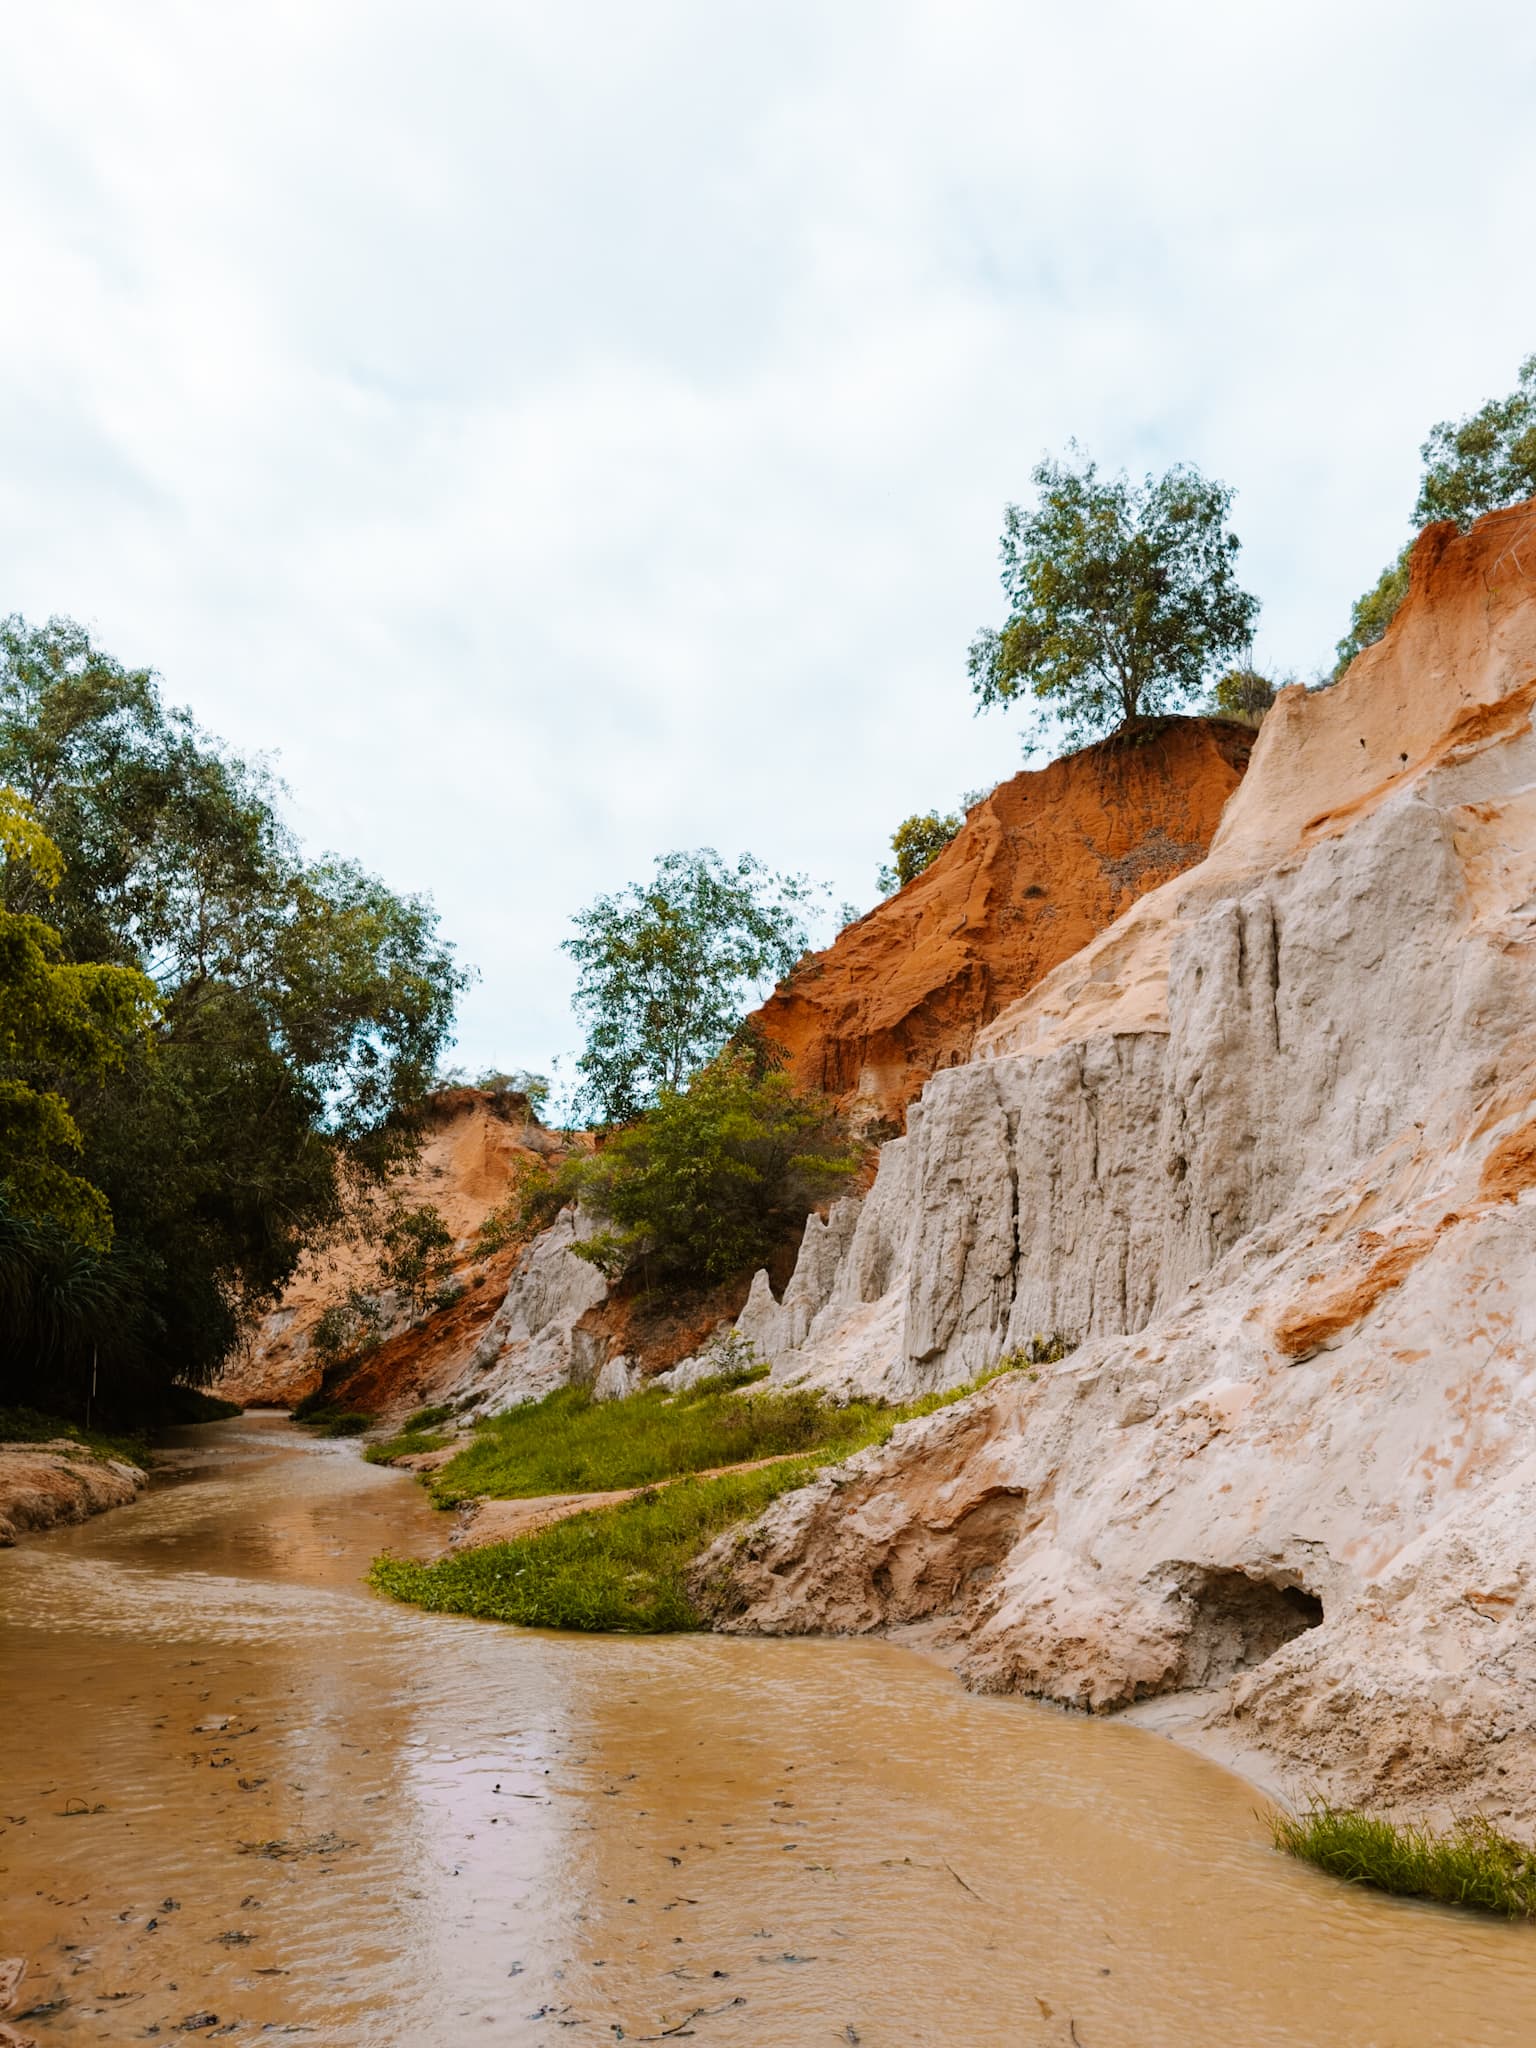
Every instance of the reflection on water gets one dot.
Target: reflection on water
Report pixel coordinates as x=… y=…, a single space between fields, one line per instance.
x=234 y=1783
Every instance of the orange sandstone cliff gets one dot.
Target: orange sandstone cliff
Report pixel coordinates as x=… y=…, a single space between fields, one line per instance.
x=1040 y=867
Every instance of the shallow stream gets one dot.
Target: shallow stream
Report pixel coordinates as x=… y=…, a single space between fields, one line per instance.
x=233 y=1783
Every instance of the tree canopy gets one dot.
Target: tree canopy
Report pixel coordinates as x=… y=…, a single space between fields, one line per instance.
x=1122 y=597
x=668 y=969
x=61 y=1023
x=300 y=1005
x=1483 y=462
x=713 y=1177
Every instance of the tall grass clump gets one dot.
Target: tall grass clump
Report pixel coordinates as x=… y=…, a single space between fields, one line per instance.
x=620 y=1569
x=569 y=1443
x=1474 y=1864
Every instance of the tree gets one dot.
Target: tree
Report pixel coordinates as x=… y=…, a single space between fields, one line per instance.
x=1471 y=466
x=415 y=1252
x=712 y=1179
x=1122 y=596
x=302 y=1005
x=1371 y=615
x=668 y=969
x=917 y=842
x=60 y=1024
x=1483 y=462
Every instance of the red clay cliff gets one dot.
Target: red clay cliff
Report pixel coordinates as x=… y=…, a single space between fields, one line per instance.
x=1040 y=867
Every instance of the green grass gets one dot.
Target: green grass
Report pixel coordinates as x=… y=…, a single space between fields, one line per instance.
x=28 y=1426
x=428 y=1418
x=619 y=1569
x=624 y=1568
x=569 y=1443
x=406 y=1445
x=1473 y=1865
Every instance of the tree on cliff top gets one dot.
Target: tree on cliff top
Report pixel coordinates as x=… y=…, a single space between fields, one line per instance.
x=1471 y=466
x=668 y=968
x=1122 y=597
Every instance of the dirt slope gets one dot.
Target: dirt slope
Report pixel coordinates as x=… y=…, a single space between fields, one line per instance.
x=1040 y=867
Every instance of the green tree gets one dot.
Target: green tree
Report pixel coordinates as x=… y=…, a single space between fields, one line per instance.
x=1122 y=597
x=712 y=1179
x=668 y=969
x=1483 y=462
x=917 y=842
x=1471 y=466
x=302 y=1004
x=415 y=1252
x=61 y=1024
x=1371 y=614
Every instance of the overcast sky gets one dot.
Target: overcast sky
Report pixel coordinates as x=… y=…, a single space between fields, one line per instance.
x=561 y=434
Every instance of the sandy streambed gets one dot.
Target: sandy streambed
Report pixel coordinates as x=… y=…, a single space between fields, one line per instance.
x=238 y=1790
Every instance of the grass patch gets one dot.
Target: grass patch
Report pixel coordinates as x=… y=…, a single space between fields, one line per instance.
x=29 y=1426
x=569 y=1443
x=428 y=1418
x=406 y=1445
x=619 y=1569
x=624 y=1569
x=1473 y=1865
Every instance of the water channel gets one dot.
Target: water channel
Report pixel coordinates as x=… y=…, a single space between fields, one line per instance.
x=237 y=1788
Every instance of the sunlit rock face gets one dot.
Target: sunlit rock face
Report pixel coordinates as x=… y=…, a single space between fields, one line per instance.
x=1266 y=1148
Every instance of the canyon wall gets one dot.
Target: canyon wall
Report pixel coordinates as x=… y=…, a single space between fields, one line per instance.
x=1265 y=1149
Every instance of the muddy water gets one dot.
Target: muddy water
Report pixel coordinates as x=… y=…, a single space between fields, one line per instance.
x=235 y=1784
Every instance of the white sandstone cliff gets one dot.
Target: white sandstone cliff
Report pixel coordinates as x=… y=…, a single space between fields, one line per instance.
x=1267 y=1146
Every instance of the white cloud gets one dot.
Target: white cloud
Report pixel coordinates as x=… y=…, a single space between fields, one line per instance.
x=565 y=434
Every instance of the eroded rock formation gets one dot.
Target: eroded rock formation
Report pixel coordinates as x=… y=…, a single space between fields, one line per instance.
x=1042 y=864
x=1267 y=1148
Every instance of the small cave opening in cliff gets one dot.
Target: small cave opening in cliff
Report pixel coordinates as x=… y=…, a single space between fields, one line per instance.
x=1238 y=1621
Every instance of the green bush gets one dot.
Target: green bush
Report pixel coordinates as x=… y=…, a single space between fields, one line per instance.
x=917 y=843
x=1473 y=1865
x=713 y=1180
x=429 y=1418
x=416 y=1252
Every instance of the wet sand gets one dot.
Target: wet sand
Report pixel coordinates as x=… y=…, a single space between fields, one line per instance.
x=235 y=1784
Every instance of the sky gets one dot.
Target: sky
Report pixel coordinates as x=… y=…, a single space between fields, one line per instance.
x=560 y=435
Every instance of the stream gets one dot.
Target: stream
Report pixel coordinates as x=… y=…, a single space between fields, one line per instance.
x=237 y=1789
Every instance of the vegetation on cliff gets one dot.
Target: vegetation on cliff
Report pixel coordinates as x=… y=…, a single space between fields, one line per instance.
x=667 y=969
x=1471 y=466
x=1122 y=597
x=299 y=1009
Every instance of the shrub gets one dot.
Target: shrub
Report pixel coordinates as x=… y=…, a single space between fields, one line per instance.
x=917 y=843
x=429 y=1418
x=408 y=1444
x=1243 y=693
x=1473 y=1865
x=713 y=1179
